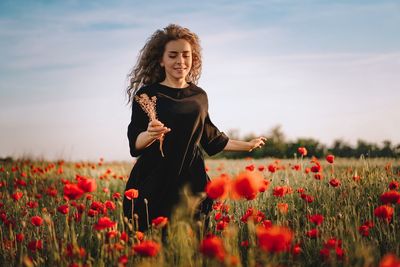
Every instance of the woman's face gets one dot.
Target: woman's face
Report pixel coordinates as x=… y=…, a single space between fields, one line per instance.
x=177 y=59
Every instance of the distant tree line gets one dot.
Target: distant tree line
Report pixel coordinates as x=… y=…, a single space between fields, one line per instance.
x=277 y=146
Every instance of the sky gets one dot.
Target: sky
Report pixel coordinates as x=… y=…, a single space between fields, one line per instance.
x=320 y=69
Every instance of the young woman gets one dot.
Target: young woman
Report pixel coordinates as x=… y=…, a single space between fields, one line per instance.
x=169 y=67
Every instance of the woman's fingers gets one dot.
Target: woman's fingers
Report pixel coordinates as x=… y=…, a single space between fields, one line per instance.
x=156 y=129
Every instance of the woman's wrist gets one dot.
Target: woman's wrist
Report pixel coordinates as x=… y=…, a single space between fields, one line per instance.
x=144 y=140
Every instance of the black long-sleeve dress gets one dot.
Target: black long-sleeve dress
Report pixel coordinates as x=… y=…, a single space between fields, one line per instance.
x=159 y=179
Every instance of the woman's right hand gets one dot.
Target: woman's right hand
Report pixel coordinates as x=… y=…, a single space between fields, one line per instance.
x=156 y=129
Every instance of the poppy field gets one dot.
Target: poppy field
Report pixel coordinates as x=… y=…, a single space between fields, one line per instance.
x=302 y=211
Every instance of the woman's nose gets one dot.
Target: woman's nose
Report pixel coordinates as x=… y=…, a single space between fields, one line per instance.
x=180 y=59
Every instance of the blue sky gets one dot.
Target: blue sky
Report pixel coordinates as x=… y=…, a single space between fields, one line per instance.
x=321 y=69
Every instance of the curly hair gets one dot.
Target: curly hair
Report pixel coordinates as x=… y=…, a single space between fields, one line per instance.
x=148 y=70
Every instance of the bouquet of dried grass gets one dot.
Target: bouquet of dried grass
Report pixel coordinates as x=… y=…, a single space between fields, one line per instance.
x=149 y=106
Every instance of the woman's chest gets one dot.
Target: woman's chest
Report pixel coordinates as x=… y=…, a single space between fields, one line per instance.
x=178 y=109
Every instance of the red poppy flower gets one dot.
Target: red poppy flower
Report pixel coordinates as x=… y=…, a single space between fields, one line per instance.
x=333 y=243
x=393 y=185
x=147 y=248
x=116 y=195
x=261 y=168
x=307 y=198
x=302 y=151
x=20 y=237
x=272 y=168
x=283 y=208
x=103 y=223
x=99 y=206
x=110 y=205
x=32 y=204
x=296 y=167
x=274 y=239
x=389 y=260
x=334 y=182
x=264 y=185
x=17 y=195
x=72 y=191
x=35 y=245
x=36 y=220
x=88 y=185
x=159 y=222
x=247 y=185
x=318 y=176
x=213 y=247
x=364 y=230
x=250 y=167
x=281 y=191
x=316 y=218
x=384 y=212
x=330 y=158
x=296 y=250
x=218 y=188
x=391 y=196
x=256 y=216
x=63 y=209
x=316 y=168
x=313 y=233
x=131 y=194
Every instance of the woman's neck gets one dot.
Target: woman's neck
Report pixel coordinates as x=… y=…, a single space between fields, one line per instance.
x=175 y=83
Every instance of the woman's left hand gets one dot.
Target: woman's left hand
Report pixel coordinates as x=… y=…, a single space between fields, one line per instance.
x=257 y=142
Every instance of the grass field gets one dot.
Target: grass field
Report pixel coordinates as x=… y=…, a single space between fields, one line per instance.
x=302 y=212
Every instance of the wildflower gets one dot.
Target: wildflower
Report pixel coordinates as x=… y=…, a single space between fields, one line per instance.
x=302 y=151
x=391 y=196
x=17 y=195
x=307 y=198
x=247 y=185
x=272 y=168
x=384 y=212
x=212 y=247
x=281 y=191
x=316 y=168
x=334 y=182
x=35 y=245
x=218 y=187
x=110 y=205
x=63 y=209
x=274 y=239
x=316 y=218
x=389 y=260
x=131 y=194
x=103 y=223
x=36 y=220
x=88 y=185
x=72 y=191
x=264 y=186
x=330 y=158
x=393 y=185
x=116 y=195
x=296 y=250
x=283 y=208
x=20 y=237
x=32 y=204
x=313 y=233
x=159 y=222
x=318 y=176
x=250 y=167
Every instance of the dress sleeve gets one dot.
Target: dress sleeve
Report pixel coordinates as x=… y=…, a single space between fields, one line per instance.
x=212 y=140
x=138 y=124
